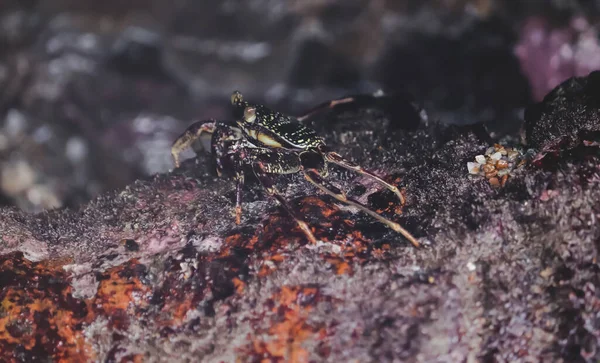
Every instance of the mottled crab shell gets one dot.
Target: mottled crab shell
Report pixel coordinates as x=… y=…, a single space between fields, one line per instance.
x=274 y=129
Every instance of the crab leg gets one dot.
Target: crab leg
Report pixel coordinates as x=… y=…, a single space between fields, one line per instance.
x=267 y=183
x=219 y=146
x=337 y=159
x=239 y=177
x=191 y=134
x=325 y=106
x=313 y=177
x=364 y=100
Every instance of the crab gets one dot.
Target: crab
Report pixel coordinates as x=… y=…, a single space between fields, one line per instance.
x=271 y=143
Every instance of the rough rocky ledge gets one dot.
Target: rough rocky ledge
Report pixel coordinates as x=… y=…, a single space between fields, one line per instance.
x=159 y=271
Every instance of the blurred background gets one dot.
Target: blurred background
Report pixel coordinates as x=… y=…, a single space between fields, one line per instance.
x=92 y=93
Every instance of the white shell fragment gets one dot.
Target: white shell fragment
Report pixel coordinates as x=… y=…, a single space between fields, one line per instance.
x=473 y=167
x=496 y=156
x=480 y=159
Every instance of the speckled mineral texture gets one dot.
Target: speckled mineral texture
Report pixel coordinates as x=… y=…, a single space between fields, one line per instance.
x=568 y=116
x=160 y=271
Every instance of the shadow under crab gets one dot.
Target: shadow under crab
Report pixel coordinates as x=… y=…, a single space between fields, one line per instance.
x=267 y=143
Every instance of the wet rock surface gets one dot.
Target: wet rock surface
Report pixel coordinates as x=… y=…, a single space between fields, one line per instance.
x=159 y=269
x=147 y=263
x=567 y=117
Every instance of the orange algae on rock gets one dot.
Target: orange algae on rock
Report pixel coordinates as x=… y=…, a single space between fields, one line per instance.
x=290 y=328
x=38 y=315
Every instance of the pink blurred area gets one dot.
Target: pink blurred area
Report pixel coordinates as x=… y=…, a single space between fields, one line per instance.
x=551 y=54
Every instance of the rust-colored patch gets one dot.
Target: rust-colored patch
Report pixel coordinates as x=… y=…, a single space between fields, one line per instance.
x=193 y=282
x=251 y=243
x=39 y=318
x=288 y=327
x=134 y=358
x=340 y=265
x=324 y=209
x=230 y=242
x=119 y=288
x=270 y=264
x=277 y=258
x=176 y=312
x=265 y=270
x=240 y=285
x=390 y=206
x=358 y=249
x=279 y=234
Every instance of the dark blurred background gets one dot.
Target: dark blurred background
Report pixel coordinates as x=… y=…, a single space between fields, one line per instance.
x=92 y=93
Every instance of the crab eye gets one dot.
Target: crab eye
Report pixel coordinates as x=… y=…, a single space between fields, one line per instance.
x=236 y=98
x=250 y=114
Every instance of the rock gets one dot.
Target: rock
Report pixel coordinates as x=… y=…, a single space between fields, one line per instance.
x=160 y=269
x=567 y=116
x=148 y=264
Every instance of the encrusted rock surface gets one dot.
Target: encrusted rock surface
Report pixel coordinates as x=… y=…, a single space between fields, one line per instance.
x=568 y=115
x=160 y=271
x=93 y=93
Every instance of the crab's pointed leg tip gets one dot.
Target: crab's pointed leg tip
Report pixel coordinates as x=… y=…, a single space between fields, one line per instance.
x=311 y=238
x=238 y=215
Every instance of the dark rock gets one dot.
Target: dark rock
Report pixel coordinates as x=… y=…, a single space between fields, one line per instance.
x=567 y=116
x=480 y=80
x=157 y=268
x=504 y=274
